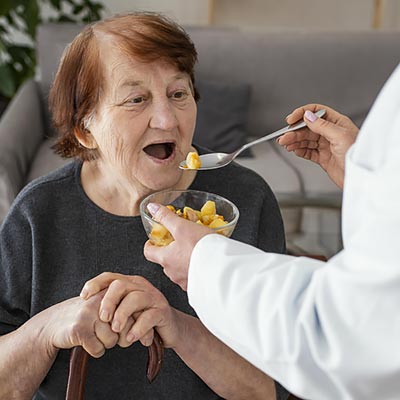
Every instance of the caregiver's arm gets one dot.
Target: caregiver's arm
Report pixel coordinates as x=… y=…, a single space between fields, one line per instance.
x=223 y=370
x=325 y=331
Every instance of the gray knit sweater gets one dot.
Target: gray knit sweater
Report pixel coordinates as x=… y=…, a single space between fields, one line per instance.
x=55 y=238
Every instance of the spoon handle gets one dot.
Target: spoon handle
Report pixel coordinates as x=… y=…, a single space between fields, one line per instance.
x=280 y=132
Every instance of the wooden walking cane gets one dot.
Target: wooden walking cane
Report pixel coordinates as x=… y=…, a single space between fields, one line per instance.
x=79 y=361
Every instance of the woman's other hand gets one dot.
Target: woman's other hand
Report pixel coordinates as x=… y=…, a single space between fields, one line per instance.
x=134 y=308
x=325 y=141
x=76 y=322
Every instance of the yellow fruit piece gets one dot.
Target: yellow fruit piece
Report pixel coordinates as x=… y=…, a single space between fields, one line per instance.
x=160 y=235
x=208 y=208
x=190 y=214
x=207 y=216
x=217 y=223
x=193 y=160
x=207 y=219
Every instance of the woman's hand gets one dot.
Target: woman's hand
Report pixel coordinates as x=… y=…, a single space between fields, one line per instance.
x=76 y=322
x=325 y=140
x=134 y=307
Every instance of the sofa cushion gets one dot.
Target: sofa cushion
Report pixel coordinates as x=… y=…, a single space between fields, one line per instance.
x=287 y=68
x=222 y=116
x=21 y=132
x=7 y=194
x=45 y=161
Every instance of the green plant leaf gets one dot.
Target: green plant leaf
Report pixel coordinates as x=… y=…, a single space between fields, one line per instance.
x=27 y=72
x=22 y=54
x=8 y=85
x=24 y=17
x=10 y=20
x=96 y=9
x=65 y=18
x=77 y=9
x=56 y=4
x=6 y=6
x=32 y=17
x=3 y=46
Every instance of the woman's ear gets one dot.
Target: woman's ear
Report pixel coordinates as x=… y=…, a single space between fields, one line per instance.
x=85 y=138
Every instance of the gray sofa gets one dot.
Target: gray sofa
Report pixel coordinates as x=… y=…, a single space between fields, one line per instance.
x=283 y=68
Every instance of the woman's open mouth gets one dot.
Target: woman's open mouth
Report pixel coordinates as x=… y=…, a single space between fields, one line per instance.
x=160 y=151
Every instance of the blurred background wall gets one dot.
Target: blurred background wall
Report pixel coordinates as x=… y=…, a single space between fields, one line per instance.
x=319 y=14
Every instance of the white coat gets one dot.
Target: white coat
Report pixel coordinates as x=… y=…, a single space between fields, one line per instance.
x=326 y=331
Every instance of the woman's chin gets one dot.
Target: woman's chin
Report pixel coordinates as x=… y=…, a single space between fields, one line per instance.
x=163 y=180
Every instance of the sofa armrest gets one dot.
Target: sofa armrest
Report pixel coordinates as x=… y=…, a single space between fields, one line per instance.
x=21 y=132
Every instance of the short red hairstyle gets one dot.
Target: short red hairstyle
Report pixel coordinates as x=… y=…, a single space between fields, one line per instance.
x=79 y=81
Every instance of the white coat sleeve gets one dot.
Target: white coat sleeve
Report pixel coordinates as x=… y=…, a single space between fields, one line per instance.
x=325 y=331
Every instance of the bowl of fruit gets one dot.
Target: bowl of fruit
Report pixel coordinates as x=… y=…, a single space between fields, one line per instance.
x=204 y=208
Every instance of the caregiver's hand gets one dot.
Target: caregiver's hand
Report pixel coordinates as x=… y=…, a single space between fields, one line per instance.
x=325 y=140
x=134 y=308
x=175 y=257
x=75 y=322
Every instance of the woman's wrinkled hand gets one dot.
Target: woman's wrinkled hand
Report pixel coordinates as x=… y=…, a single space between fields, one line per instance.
x=324 y=141
x=134 y=308
x=75 y=322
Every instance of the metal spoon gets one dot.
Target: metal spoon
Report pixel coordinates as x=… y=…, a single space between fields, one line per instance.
x=218 y=160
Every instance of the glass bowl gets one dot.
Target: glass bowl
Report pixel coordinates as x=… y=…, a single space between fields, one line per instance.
x=179 y=199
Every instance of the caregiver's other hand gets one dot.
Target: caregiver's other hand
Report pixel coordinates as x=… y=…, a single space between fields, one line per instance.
x=134 y=308
x=324 y=141
x=175 y=257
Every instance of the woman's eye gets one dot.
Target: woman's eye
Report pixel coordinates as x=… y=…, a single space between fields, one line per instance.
x=137 y=100
x=179 y=95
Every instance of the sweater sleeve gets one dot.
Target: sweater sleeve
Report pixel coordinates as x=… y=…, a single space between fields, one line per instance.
x=15 y=270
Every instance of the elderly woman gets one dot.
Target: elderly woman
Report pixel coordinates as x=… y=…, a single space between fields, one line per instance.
x=124 y=102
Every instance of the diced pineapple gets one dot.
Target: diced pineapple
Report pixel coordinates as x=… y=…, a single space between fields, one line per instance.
x=207 y=216
x=193 y=160
x=217 y=223
x=160 y=235
x=207 y=219
x=190 y=214
x=208 y=208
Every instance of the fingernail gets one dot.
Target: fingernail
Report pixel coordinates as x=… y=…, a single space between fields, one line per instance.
x=84 y=293
x=130 y=337
x=116 y=326
x=153 y=208
x=310 y=116
x=287 y=116
x=104 y=316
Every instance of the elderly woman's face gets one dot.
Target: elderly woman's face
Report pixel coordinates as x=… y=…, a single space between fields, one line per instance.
x=145 y=121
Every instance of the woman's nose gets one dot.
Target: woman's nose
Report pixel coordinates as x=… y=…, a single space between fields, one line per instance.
x=163 y=116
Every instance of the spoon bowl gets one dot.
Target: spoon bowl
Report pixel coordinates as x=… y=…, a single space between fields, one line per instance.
x=219 y=160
